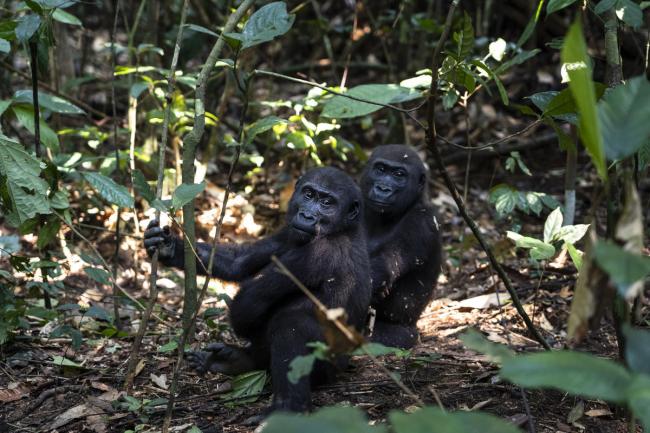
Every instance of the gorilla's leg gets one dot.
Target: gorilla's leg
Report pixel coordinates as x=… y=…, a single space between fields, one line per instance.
x=395 y=335
x=288 y=333
x=222 y=358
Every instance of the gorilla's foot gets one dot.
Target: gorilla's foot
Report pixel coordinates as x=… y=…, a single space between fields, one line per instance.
x=220 y=358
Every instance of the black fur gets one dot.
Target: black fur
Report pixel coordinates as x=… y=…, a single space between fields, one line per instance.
x=403 y=242
x=323 y=244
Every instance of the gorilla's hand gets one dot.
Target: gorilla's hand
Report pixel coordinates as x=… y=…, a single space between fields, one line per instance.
x=161 y=239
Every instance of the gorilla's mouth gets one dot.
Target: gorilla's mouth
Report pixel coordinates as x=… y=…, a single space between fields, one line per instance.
x=303 y=230
x=380 y=202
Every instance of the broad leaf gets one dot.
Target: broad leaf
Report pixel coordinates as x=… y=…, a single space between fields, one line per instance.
x=247 y=387
x=98 y=274
x=341 y=107
x=25 y=115
x=300 y=366
x=27 y=190
x=109 y=190
x=142 y=187
x=623 y=267
x=326 y=420
x=26 y=27
x=571 y=234
x=201 y=29
x=538 y=250
x=574 y=56
x=264 y=25
x=623 y=113
x=629 y=12
x=477 y=341
x=54 y=103
x=66 y=18
x=637 y=349
x=552 y=225
x=639 y=400
x=185 y=193
x=261 y=126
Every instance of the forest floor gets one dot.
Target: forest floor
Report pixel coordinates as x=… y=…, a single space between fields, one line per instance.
x=38 y=396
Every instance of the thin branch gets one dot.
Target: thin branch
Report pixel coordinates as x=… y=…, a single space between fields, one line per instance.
x=435 y=154
x=491 y=143
x=153 y=280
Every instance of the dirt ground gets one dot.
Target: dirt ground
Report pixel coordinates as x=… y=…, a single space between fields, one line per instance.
x=38 y=396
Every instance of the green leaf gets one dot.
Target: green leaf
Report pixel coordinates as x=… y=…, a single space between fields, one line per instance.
x=504 y=198
x=644 y=155
x=25 y=115
x=552 y=224
x=465 y=38
x=201 y=29
x=98 y=313
x=54 y=103
x=142 y=187
x=267 y=23
x=639 y=400
x=574 y=56
x=623 y=113
x=570 y=234
x=573 y=372
x=27 y=26
x=477 y=341
x=623 y=267
x=424 y=420
x=261 y=126
x=556 y=5
x=326 y=420
x=47 y=233
x=576 y=255
x=186 y=193
x=300 y=366
x=98 y=274
x=169 y=347
x=5 y=46
x=630 y=13
x=637 y=349
x=138 y=88
x=341 y=107
x=604 y=5
x=377 y=349
x=60 y=200
x=538 y=250
x=65 y=362
x=66 y=18
x=532 y=23
x=109 y=190
x=247 y=387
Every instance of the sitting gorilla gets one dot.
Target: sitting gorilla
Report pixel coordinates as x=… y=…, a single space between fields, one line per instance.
x=403 y=242
x=324 y=246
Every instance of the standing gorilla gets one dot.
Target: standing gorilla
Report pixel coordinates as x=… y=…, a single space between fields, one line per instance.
x=323 y=244
x=403 y=242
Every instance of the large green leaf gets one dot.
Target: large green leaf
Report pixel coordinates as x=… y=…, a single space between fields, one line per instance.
x=553 y=224
x=264 y=25
x=629 y=12
x=433 y=419
x=109 y=190
x=573 y=372
x=25 y=115
x=50 y=102
x=341 y=107
x=28 y=191
x=261 y=126
x=465 y=38
x=574 y=56
x=27 y=26
x=623 y=113
x=538 y=250
x=326 y=420
x=637 y=349
x=185 y=193
x=477 y=341
x=623 y=267
x=639 y=400
x=246 y=387
x=142 y=187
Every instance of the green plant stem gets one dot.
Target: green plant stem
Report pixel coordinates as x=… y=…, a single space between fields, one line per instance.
x=436 y=156
x=153 y=279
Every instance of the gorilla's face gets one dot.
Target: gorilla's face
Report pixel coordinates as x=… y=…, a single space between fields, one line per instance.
x=391 y=185
x=323 y=203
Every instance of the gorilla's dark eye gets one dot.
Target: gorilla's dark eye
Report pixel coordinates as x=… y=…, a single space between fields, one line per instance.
x=399 y=173
x=380 y=168
x=308 y=193
x=327 y=201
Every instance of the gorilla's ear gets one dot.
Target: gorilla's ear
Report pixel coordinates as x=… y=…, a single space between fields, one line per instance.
x=353 y=212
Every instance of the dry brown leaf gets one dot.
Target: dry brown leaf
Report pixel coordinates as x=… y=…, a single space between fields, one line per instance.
x=594 y=413
x=160 y=381
x=13 y=393
x=629 y=229
x=484 y=301
x=339 y=336
x=71 y=414
x=139 y=367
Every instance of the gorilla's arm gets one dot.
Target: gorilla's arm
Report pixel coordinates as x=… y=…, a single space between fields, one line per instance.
x=232 y=262
x=407 y=246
